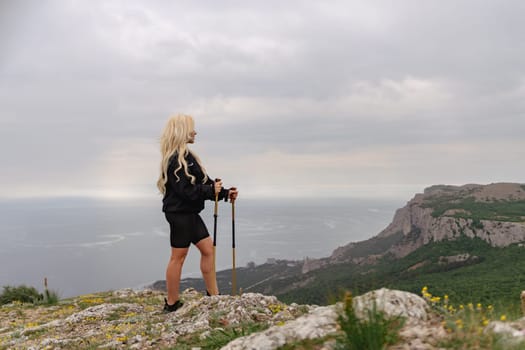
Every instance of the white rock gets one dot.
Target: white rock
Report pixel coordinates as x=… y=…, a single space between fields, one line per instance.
x=102 y=310
x=136 y=339
x=204 y=335
x=505 y=328
x=393 y=303
x=319 y=323
x=111 y=344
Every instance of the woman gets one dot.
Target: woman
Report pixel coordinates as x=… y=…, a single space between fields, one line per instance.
x=185 y=186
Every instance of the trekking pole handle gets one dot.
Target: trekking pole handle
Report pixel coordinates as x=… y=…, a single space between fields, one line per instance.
x=216 y=195
x=232 y=189
x=214 y=190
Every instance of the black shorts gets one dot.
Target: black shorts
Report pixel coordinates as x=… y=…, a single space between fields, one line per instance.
x=186 y=228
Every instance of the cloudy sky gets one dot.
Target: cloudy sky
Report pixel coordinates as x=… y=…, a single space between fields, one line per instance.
x=291 y=98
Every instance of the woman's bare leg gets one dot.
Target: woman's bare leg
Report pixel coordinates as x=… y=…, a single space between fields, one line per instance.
x=173 y=273
x=206 y=248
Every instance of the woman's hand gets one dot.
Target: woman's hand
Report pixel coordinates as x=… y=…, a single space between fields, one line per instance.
x=233 y=193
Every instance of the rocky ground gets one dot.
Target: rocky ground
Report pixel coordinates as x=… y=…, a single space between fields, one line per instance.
x=134 y=319
x=128 y=319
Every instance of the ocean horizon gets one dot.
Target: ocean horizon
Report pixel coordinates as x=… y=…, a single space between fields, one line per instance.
x=84 y=245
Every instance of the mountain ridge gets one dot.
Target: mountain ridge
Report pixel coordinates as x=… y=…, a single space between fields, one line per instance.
x=417 y=223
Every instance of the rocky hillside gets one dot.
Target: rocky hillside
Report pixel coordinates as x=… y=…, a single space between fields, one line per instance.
x=128 y=319
x=495 y=213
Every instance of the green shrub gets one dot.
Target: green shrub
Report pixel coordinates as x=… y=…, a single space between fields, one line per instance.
x=22 y=293
x=477 y=224
x=371 y=333
x=502 y=210
x=25 y=294
x=50 y=297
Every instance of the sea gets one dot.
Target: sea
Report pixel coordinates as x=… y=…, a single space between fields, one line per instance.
x=83 y=245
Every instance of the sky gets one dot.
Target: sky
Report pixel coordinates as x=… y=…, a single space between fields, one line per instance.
x=290 y=98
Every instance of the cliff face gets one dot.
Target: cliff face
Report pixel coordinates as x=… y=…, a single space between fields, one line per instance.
x=494 y=213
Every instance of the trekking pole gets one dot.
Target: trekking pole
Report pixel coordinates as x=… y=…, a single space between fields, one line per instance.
x=234 y=275
x=215 y=229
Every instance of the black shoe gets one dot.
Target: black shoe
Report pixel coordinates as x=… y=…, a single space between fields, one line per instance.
x=171 y=308
x=209 y=295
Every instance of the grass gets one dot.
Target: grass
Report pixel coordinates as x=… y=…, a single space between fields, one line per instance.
x=373 y=332
x=466 y=324
x=496 y=210
x=218 y=337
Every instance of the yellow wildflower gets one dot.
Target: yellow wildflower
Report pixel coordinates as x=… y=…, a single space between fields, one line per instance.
x=459 y=323
x=122 y=339
x=503 y=318
x=275 y=308
x=348 y=302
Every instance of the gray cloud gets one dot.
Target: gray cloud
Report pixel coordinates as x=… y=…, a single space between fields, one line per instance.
x=85 y=89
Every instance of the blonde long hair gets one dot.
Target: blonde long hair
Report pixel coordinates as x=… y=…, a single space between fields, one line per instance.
x=174 y=139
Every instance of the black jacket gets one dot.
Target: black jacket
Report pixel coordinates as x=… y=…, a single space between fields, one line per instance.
x=184 y=197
